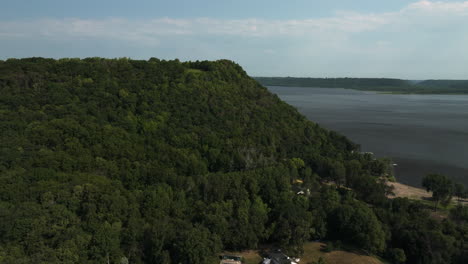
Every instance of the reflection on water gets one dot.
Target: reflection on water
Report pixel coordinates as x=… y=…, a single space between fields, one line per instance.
x=422 y=133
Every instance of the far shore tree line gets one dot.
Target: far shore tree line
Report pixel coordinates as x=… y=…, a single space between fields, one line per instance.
x=387 y=85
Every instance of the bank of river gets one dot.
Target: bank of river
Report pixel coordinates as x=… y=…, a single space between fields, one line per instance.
x=421 y=133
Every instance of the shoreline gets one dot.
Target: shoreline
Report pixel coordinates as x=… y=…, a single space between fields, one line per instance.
x=382 y=91
x=411 y=171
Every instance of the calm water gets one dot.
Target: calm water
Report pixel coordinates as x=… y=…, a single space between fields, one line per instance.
x=422 y=133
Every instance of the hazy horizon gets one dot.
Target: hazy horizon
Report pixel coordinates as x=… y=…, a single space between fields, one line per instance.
x=359 y=77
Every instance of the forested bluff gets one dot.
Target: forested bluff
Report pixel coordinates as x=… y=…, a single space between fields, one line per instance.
x=133 y=161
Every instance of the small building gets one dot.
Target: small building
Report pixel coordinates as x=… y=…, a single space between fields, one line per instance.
x=278 y=257
x=227 y=259
x=298 y=181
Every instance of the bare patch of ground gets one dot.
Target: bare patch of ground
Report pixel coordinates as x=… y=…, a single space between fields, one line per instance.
x=403 y=190
x=313 y=251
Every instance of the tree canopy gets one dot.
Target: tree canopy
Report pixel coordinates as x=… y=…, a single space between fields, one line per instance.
x=440 y=186
x=120 y=160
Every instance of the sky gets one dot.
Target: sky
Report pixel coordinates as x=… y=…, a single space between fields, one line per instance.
x=416 y=39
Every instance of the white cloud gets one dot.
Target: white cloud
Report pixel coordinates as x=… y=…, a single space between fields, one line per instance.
x=417 y=36
x=439 y=6
x=153 y=29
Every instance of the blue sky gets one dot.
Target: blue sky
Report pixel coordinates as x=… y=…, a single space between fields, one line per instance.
x=226 y=9
x=354 y=38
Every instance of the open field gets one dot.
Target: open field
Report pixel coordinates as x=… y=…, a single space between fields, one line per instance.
x=313 y=250
x=403 y=190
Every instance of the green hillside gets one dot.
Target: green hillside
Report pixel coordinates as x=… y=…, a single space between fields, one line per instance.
x=128 y=161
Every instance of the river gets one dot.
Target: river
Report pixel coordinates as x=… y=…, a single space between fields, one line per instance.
x=422 y=133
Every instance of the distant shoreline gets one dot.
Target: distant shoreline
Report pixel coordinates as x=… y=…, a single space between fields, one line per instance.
x=418 y=168
x=380 y=85
x=380 y=91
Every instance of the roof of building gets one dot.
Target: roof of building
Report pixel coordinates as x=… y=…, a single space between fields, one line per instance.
x=228 y=259
x=278 y=257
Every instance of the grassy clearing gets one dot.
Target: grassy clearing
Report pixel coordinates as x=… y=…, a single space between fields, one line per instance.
x=313 y=251
x=342 y=257
x=403 y=190
x=196 y=71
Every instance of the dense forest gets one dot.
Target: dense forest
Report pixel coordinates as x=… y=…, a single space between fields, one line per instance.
x=373 y=84
x=131 y=161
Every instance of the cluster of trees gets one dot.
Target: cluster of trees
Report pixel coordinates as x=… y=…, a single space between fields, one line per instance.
x=373 y=84
x=443 y=189
x=451 y=84
x=126 y=161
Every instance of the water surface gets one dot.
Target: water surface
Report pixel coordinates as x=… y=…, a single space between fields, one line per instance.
x=422 y=133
